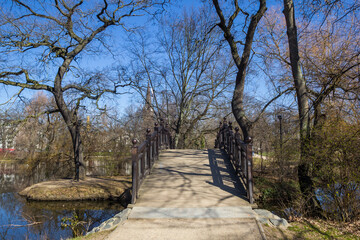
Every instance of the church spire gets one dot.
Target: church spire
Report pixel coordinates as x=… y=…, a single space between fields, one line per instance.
x=148 y=112
x=148 y=99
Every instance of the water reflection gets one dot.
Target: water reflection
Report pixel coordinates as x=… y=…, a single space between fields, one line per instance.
x=340 y=201
x=21 y=219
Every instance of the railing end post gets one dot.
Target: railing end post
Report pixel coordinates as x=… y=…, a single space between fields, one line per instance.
x=249 y=164
x=161 y=122
x=135 y=173
x=230 y=125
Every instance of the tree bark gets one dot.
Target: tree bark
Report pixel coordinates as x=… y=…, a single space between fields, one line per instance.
x=305 y=180
x=71 y=120
x=237 y=103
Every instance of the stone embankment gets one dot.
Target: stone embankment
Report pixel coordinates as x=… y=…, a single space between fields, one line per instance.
x=112 y=222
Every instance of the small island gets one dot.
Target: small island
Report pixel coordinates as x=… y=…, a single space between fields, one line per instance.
x=91 y=188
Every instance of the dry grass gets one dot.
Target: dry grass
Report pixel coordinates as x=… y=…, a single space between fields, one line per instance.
x=88 y=189
x=94 y=236
x=276 y=196
x=315 y=229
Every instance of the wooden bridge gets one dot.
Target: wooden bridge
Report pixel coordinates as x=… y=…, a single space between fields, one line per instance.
x=191 y=194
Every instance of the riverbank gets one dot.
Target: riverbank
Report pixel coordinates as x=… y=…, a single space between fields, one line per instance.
x=284 y=198
x=94 y=188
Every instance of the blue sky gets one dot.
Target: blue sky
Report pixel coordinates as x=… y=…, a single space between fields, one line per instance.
x=98 y=62
x=121 y=102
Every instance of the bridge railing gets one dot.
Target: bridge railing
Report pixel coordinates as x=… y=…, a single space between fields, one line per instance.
x=145 y=154
x=239 y=152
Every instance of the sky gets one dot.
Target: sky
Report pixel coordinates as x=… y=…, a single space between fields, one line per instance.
x=98 y=62
x=121 y=102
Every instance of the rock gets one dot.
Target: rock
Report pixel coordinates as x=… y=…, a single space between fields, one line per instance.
x=264 y=221
x=117 y=221
x=107 y=226
x=282 y=223
x=112 y=222
x=267 y=217
x=265 y=213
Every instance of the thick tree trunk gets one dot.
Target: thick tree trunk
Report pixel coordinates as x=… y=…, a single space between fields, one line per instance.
x=74 y=130
x=178 y=129
x=237 y=103
x=78 y=152
x=305 y=180
x=71 y=120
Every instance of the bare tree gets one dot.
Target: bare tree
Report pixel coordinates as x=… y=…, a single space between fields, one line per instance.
x=193 y=76
x=59 y=34
x=226 y=24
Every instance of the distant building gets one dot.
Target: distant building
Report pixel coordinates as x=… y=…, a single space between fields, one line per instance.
x=7 y=135
x=148 y=114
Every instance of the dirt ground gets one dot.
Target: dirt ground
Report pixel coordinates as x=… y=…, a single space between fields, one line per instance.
x=99 y=188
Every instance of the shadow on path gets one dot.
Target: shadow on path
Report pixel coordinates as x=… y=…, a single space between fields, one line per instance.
x=223 y=174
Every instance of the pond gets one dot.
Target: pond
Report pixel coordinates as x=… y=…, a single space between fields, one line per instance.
x=22 y=219
x=340 y=201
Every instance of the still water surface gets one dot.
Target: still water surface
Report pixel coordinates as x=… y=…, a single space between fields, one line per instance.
x=22 y=219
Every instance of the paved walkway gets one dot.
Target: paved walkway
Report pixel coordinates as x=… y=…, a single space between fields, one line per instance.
x=191 y=194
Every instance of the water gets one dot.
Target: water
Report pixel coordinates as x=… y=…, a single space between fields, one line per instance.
x=340 y=201
x=22 y=219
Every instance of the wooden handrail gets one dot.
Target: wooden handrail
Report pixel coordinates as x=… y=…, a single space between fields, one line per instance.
x=145 y=154
x=239 y=152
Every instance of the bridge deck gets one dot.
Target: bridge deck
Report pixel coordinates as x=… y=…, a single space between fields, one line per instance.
x=191 y=194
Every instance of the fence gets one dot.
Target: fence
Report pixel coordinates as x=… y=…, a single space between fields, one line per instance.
x=145 y=154
x=239 y=152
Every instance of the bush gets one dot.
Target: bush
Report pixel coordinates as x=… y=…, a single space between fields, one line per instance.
x=334 y=153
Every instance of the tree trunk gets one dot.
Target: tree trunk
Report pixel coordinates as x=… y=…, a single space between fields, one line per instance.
x=305 y=180
x=73 y=125
x=179 y=125
x=237 y=102
x=78 y=152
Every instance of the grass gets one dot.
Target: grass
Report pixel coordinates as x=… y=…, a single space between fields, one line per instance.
x=94 y=236
x=310 y=229
x=274 y=195
x=8 y=161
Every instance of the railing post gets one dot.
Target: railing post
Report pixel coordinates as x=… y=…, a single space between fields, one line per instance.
x=148 y=150
x=135 y=171
x=243 y=160
x=161 y=132
x=237 y=150
x=249 y=164
x=218 y=137
x=225 y=134
x=167 y=136
x=156 y=129
x=231 y=142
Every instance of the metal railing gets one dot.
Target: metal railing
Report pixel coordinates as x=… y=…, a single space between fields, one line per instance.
x=239 y=152
x=145 y=154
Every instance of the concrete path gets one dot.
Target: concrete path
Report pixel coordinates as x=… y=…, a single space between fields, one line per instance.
x=191 y=194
